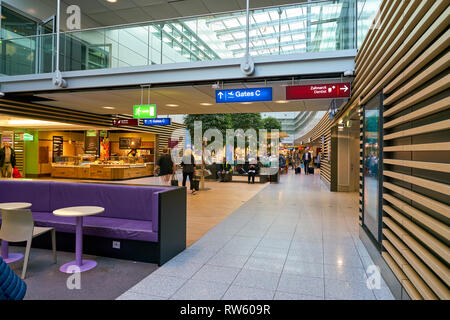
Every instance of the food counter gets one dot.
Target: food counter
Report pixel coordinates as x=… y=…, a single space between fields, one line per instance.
x=87 y=167
x=103 y=171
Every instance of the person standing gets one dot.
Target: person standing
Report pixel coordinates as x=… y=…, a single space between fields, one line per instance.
x=188 y=164
x=306 y=158
x=165 y=165
x=7 y=160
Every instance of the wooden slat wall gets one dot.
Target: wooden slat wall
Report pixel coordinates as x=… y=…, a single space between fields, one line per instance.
x=407 y=59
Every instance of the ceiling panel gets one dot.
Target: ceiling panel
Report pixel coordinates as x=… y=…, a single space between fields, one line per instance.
x=161 y=11
x=190 y=7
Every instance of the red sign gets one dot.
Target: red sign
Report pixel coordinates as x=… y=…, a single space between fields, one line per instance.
x=125 y=122
x=172 y=143
x=319 y=91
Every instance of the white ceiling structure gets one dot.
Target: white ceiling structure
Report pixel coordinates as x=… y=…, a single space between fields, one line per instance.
x=198 y=99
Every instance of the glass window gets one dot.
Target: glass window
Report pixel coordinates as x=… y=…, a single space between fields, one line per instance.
x=372 y=166
x=367 y=12
x=16 y=25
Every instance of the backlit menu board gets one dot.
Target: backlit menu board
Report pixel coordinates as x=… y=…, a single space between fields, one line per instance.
x=58 y=144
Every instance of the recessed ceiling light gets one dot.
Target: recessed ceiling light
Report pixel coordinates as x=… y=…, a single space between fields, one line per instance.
x=171 y=105
x=108 y=108
x=112 y=1
x=246 y=102
x=205 y=104
x=282 y=101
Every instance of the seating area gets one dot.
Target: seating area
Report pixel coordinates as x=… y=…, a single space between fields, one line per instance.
x=138 y=216
x=262 y=176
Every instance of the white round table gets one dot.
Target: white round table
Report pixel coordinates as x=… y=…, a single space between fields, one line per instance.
x=11 y=257
x=79 y=213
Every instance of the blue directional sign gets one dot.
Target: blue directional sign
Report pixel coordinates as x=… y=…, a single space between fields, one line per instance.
x=157 y=122
x=243 y=95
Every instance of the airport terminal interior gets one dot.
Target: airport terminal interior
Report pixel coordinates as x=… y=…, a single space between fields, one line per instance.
x=224 y=150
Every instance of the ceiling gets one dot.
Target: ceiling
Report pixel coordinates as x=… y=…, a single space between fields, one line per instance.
x=179 y=100
x=131 y=11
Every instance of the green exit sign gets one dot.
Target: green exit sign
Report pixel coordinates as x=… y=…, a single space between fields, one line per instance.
x=144 y=111
x=28 y=137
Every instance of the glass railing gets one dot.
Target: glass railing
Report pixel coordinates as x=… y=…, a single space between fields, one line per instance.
x=306 y=27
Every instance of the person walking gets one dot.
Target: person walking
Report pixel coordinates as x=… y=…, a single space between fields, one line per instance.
x=7 y=160
x=165 y=166
x=306 y=158
x=188 y=164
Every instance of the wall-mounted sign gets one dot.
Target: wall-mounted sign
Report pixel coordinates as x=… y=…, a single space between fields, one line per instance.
x=143 y=111
x=244 y=95
x=91 y=142
x=125 y=122
x=28 y=137
x=58 y=144
x=172 y=143
x=157 y=122
x=319 y=91
x=124 y=143
x=91 y=133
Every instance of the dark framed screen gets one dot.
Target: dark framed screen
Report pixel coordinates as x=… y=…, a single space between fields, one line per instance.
x=372 y=166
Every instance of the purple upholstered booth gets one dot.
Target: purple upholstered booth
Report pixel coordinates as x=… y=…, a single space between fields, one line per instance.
x=131 y=212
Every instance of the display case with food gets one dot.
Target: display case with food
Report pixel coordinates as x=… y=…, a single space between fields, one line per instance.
x=92 y=167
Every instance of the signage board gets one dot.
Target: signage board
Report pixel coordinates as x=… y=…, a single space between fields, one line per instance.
x=319 y=91
x=172 y=143
x=91 y=142
x=28 y=137
x=125 y=122
x=58 y=144
x=244 y=95
x=144 y=111
x=157 y=122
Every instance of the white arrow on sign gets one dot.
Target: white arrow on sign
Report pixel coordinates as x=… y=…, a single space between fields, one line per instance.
x=220 y=95
x=345 y=88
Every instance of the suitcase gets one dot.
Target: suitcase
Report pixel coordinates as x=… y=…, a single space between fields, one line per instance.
x=298 y=170
x=311 y=170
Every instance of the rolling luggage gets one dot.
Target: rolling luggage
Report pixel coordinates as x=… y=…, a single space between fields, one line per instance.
x=311 y=170
x=298 y=170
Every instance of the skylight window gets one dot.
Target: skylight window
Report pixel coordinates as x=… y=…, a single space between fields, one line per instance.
x=232 y=23
x=261 y=18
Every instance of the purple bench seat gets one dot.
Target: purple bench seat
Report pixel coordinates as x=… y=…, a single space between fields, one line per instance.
x=131 y=212
x=149 y=221
x=100 y=226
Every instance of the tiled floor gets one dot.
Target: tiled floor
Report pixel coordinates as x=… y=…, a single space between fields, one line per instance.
x=292 y=240
x=204 y=209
